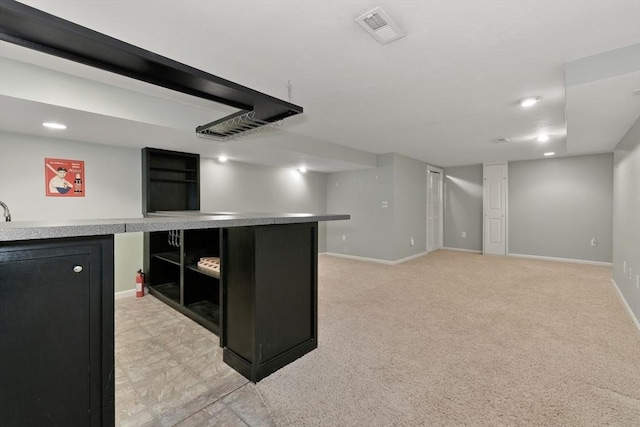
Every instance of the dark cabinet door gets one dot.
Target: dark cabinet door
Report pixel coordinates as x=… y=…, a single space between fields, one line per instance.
x=51 y=343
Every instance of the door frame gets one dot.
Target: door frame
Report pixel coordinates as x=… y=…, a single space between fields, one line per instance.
x=506 y=206
x=441 y=228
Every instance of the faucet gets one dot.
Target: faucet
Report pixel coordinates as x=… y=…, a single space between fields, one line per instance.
x=7 y=214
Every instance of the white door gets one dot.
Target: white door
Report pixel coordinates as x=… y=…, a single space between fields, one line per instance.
x=495 y=209
x=434 y=209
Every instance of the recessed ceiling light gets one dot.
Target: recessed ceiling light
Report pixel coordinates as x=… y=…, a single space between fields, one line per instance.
x=550 y=153
x=52 y=125
x=302 y=169
x=222 y=159
x=528 y=102
x=543 y=138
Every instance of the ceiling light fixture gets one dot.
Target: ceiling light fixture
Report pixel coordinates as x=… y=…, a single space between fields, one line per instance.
x=222 y=159
x=543 y=138
x=302 y=169
x=550 y=153
x=528 y=102
x=52 y=125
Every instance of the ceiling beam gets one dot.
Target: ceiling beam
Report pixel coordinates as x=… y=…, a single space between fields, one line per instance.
x=32 y=28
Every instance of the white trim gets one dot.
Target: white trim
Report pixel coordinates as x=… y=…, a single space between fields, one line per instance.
x=550 y=258
x=376 y=260
x=441 y=213
x=322 y=253
x=125 y=294
x=462 y=250
x=626 y=304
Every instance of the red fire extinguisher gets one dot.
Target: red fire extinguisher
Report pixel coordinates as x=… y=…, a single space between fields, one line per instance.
x=139 y=284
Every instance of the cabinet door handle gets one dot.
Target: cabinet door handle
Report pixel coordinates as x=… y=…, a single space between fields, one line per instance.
x=77 y=268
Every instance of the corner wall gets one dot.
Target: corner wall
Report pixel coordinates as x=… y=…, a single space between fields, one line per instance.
x=376 y=232
x=557 y=205
x=626 y=219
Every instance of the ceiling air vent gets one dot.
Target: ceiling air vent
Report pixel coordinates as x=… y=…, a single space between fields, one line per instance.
x=377 y=23
x=502 y=140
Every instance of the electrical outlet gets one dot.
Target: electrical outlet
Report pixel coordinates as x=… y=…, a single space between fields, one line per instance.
x=344 y=238
x=629 y=272
x=464 y=234
x=385 y=204
x=594 y=242
x=624 y=266
x=411 y=241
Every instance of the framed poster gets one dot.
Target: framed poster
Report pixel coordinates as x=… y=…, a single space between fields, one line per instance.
x=64 y=178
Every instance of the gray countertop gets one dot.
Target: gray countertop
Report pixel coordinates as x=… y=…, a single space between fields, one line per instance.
x=159 y=221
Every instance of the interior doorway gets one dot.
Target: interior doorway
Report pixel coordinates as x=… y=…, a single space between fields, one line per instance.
x=494 y=199
x=435 y=206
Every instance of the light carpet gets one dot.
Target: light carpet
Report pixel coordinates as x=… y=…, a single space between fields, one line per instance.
x=455 y=338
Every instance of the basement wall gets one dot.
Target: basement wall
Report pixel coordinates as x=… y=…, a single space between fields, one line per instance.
x=626 y=219
x=377 y=232
x=556 y=206
x=113 y=177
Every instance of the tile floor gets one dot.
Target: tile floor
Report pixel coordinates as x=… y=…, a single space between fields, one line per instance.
x=169 y=372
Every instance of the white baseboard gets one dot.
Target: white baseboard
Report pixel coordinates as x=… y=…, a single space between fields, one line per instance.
x=550 y=258
x=376 y=260
x=125 y=294
x=626 y=304
x=473 y=251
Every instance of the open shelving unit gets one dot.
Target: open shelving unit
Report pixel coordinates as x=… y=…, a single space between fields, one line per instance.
x=171 y=183
x=170 y=180
x=174 y=276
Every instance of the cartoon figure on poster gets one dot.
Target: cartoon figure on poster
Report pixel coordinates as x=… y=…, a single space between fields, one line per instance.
x=58 y=183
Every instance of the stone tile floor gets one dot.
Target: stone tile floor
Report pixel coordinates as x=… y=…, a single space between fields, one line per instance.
x=169 y=372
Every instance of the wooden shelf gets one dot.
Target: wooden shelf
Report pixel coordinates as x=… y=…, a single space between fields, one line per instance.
x=168 y=292
x=158 y=168
x=170 y=180
x=206 y=313
x=206 y=272
x=171 y=257
x=173 y=180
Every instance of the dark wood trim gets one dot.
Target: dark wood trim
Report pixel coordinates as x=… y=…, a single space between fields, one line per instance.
x=32 y=28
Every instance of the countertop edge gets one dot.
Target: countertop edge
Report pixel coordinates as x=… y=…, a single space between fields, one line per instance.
x=33 y=230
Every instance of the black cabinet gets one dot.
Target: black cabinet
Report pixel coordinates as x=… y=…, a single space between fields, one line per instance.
x=263 y=302
x=269 y=296
x=170 y=180
x=174 y=277
x=56 y=332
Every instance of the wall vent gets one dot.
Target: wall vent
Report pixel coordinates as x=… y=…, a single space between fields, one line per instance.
x=377 y=23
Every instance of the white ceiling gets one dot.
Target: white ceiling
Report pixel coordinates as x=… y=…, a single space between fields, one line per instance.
x=441 y=94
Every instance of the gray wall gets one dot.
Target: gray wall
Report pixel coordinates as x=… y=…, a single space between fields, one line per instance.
x=243 y=187
x=626 y=217
x=410 y=206
x=375 y=231
x=113 y=189
x=463 y=207
x=557 y=205
x=360 y=193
